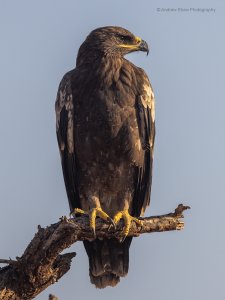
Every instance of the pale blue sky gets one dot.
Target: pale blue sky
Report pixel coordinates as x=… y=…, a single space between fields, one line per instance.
x=39 y=43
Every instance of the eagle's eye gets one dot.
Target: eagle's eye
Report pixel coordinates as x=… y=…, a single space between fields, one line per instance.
x=125 y=38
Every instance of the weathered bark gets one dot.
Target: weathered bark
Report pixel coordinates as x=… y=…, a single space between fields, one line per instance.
x=42 y=265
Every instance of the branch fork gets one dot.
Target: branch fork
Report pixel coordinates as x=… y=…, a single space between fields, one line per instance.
x=42 y=264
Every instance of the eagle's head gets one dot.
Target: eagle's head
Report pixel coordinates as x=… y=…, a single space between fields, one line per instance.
x=112 y=41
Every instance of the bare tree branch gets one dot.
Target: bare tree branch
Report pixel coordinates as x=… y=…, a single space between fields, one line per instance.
x=7 y=261
x=42 y=264
x=52 y=297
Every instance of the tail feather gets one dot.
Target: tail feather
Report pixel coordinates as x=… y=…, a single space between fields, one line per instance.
x=108 y=261
x=103 y=281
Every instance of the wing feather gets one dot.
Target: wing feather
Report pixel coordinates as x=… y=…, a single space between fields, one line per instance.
x=66 y=140
x=145 y=111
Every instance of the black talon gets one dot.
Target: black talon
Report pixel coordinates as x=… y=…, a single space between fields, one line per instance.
x=123 y=239
x=72 y=214
x=112 y=223
x=94 y=233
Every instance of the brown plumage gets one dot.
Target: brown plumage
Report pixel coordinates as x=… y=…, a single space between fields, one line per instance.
x=105 y=130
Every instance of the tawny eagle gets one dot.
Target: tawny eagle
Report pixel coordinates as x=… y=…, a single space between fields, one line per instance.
x=105 y=128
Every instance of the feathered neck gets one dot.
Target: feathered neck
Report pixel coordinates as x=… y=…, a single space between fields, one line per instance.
x=105 y=67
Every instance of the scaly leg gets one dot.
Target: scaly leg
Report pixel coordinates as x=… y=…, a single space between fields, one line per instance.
x=93 y=213
x=124 y=214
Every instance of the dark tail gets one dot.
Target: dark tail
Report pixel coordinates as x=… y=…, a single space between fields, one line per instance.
x=108 y=261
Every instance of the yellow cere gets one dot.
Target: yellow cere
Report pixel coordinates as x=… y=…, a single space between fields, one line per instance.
x=137 y=40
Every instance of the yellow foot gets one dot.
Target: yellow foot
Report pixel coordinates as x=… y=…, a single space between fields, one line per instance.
x=124 y=214
x=93 y=213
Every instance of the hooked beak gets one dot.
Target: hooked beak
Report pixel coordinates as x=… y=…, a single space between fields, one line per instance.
x=143 y=46
x=140 y=45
